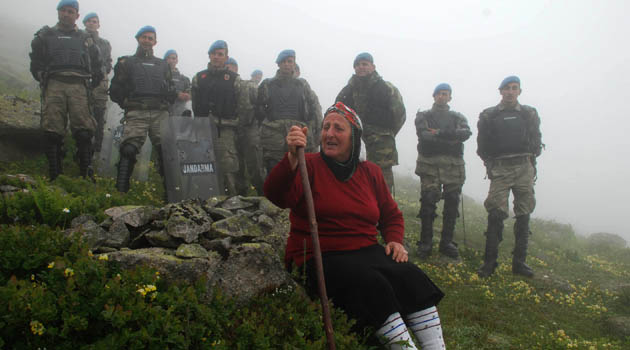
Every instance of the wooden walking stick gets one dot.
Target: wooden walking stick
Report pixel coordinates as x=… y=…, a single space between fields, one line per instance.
x=317 y=252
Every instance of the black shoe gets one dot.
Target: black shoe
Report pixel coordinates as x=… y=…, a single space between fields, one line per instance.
x=487 y=269
x=522 y=269
x=450 y=250
x=424 y=250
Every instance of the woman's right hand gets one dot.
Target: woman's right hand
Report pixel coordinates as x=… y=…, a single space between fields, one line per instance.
x=296 y=138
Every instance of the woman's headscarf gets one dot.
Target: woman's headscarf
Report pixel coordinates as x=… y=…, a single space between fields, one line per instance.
x=344 y=171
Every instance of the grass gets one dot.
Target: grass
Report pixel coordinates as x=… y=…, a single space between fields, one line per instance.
x=565 y=306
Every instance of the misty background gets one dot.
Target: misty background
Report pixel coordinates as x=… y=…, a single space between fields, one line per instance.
x=572 y=57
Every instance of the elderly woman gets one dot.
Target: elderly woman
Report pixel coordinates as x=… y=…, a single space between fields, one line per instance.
x=374 y=284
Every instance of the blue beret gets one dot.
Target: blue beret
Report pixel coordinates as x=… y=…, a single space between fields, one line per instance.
x=510 y=79
x=169 y=52
x=231 y=61
x=440 y=87
x=71 y=3
x=145 y=29
x=284 y=54
x=257 y=71
x=89 y=15
x=363 y=56
x=219 y=44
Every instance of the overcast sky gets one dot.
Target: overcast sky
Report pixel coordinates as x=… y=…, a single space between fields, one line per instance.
x=572 y=57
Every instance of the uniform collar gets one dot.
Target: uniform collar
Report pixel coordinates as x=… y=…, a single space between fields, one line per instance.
x=501 y=106
x=437 y=107
x=61 y=28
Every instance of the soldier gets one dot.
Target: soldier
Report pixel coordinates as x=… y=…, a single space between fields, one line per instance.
x=182 y=85
x=284 y=101
x=92 y=23
x=441 y=135
x=221 y=94
x=256 y=76
x=67 y=64
x=231 y=65
x=142 y=85
x=508 y=142
x=381 y=108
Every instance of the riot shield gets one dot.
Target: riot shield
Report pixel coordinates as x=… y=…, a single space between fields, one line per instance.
x=190 y=166
x=107 y=160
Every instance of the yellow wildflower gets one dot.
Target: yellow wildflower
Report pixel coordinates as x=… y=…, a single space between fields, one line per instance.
x=68 y=272
x=103 y=257
x=37 y=327
x=51 y=265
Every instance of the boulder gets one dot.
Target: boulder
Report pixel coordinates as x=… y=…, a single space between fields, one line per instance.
x=19 y=126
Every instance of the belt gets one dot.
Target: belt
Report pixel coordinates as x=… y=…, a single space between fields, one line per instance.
x=511 y=160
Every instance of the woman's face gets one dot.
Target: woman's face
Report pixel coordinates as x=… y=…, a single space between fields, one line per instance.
x=336 y=137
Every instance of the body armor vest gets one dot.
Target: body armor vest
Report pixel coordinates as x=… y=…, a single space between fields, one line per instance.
x=217 y=94
x=442 y=120
x=148 y=77
x=372 y=107
x=508 y=132
x=287 y=102
x=66 y=52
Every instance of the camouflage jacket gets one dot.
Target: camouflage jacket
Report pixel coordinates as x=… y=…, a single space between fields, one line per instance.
x=489 y=140
x=122 y=84
x=243 y=108
x=106 y=51
x=41 y=58
x=377 y=102
x=451 y=130
x=312 y=110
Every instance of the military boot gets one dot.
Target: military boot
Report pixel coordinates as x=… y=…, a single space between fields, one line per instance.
x=127 y=161
x=449 y=216
x=160 y=169
x=84 y=152
x=521 y=233
x=427 y=215
x=494 y=236
x=54 y=154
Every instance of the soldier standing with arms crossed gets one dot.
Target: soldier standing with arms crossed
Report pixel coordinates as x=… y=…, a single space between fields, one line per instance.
x=508 y=142
x=143 y=87
x=380 y=106
x=441 y=135
x=67 y=64
x=182 y=85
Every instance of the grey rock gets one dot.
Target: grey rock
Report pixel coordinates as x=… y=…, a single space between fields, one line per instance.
x=236 y=202
x=193 y=250
x=162 y=239
x=118 y=236
x=268 y=208
x=9 y=188
x=187 y=220
x=90 y=232
x=239 y=227
x=170 y=267
x=107 y=223
x=221 y=246
x=218 y=213
x=266 y=221
x=251 y=268
x=134 y=216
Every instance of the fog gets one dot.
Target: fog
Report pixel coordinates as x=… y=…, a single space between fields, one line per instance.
x=572 y=57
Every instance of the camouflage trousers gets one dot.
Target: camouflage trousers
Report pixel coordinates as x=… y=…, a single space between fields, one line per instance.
x=99 y=107
x=440 y=174
x=511 y=174
x=381 y=150
x=66 y=100
x=227 y=156
x=273 y=141
x=138 y=123
x=251 y=172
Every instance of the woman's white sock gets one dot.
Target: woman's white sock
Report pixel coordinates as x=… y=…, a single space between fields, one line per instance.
x=394 y=335
x=426 y=326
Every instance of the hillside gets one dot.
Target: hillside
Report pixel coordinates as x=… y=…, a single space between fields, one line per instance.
x=15 y=41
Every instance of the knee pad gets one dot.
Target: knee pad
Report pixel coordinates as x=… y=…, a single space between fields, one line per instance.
x=430 y=197
x=497 y=215
x=128 y=150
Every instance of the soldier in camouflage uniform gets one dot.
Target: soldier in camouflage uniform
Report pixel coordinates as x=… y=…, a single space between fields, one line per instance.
x=182 y=85
x=92 y=23
x=508 y=142
x=142 y=85
x=440 y=165
x=221 y=94
x=284 y=101
x=67 y=64
x=381 y=108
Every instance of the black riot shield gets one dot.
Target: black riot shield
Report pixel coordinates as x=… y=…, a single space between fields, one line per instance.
x=190 y=166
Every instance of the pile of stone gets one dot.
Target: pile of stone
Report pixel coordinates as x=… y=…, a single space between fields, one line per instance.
x=234 y=244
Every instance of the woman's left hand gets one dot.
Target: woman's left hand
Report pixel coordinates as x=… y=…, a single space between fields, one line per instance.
x=398 y=252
